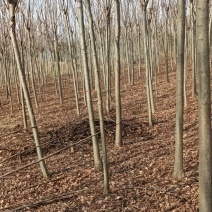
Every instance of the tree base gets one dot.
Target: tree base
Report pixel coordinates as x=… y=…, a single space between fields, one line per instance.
x=178 y=174
x=99 y=165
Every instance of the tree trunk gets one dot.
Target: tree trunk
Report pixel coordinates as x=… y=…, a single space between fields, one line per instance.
x=99 y=96
x=118 y=141
x=12 y=5
x=147 y=63
x=178 y=161
x=193 y=49
x=108 y=71
x=204 y=107
x=166 y=55
x=57 y=60
x=97 y=160
x=72 y=62
x=32 y=69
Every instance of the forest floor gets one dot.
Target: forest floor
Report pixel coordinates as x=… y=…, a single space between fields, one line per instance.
x=140 y=171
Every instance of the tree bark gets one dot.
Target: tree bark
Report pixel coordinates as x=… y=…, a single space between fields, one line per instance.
x=148 y=80
x=204 y=107
x=118 y=139
x=178 y=160
x=193 y=48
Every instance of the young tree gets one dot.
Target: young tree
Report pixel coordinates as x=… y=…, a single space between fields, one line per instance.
x=12 y=6
x=204 y=106
x=165 y=7
x=99 y=96
x=28 y=28
x=97 y=159
x=118 y=141
x=70 y=39
x=147 y=61
x=178 y=161
x=108 y=53
x=193 y=47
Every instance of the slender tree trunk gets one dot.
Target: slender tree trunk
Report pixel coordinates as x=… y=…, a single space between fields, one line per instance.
x=32 y=70
x=178 y=161
x=97 y=160
x=99 y=96
x=127 y=56
x=166 y=49
x=72 y=63
x=139 y=50
x=57 y=60
x=12 y=5
x=193 y=49
x=185 y=68
x=118 y=141
x=204 y=107
x=23 y=103
x=108 y=71
x=147 y=62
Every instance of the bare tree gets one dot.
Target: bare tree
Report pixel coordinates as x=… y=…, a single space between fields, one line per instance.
x=97 y=160
x=12 y=6
x=118 y=140
x=99 y=95
x=70 y=40
x=28 y=27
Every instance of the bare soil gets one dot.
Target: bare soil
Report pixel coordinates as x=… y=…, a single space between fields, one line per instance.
x=140 y=171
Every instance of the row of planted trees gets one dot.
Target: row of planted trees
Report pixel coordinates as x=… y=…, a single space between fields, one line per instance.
x=82 y=41
x=52 y=45
x=49 y=41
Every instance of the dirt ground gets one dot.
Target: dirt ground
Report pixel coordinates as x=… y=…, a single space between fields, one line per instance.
x=140 y=171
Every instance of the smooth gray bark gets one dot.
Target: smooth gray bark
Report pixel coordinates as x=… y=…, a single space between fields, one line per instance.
x=107 y=54
x=148 y=80
x=204 y=107
x=193 y=48
x=178 y=160
x=118 y=139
